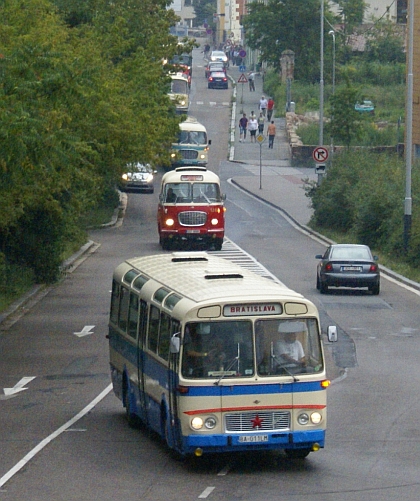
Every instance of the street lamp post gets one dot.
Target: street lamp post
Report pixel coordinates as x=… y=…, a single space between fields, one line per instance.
x=332 y=33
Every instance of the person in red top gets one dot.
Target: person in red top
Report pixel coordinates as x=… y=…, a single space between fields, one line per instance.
x=270 y=108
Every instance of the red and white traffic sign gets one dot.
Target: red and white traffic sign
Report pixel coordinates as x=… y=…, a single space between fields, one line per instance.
x=242 y=79
x=320 y=154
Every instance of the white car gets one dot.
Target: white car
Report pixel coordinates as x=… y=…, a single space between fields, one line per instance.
x=218 y=55
x=139 y=177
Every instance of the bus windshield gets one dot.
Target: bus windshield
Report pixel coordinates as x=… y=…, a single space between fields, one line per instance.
x=226 y=349
x=179 y=86
x=192 y=137
x=192 y=192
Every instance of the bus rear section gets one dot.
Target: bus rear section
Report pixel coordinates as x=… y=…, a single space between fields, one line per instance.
x=191 y=209
x=192 y=146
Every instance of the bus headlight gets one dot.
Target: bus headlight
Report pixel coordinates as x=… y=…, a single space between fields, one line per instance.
x=316 y=418
x=169 y=222
x=202 y=157
x=210 y=422
x=214 y=221
x=303 y=419
x=196 y=423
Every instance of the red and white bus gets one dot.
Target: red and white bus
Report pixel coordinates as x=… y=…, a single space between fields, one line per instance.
x=191 y=208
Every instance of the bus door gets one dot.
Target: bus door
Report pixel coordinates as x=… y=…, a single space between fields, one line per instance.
x=174 y=430
x=141 y=339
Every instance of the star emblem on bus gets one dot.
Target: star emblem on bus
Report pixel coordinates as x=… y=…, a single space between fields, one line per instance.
x=256 y=422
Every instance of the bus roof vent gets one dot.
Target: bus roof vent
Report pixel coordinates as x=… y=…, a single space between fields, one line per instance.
x=190 y=167
x=185 y=257
x=222 y=276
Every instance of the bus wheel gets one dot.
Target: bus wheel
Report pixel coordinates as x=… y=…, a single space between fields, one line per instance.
x=297 y=453
x=164 y=242
x=132 y=419
x=218 y=244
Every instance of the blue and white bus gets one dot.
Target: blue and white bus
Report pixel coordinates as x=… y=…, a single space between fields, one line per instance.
x=216 y=358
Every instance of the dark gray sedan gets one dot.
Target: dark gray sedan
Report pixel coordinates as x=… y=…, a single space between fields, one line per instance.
x=348 y=265
x=217 y=80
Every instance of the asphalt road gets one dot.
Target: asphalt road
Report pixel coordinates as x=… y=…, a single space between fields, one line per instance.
x=65 y=436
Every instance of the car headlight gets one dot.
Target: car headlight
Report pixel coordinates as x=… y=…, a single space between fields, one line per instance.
x=125 y=177
x=197 y=423
x=149 y=178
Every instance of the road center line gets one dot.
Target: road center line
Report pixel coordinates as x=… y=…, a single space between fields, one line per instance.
x=18 y=466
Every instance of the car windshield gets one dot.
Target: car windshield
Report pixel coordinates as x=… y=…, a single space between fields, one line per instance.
x=205 y=193
x=135 y=167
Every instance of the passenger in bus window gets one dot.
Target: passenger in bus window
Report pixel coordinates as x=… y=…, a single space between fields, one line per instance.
x=288 y=350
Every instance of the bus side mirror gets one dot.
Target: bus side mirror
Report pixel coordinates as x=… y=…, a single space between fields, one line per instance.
x=209 y=143
x=223 y=196
x=175 y=343
x=332 y=333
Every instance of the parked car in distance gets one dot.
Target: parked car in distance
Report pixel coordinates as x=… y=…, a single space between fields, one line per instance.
x=365 y=107
x=348 y=265
x=218 y=55
x=217 y=80
x=139 y=177
x=214 y=66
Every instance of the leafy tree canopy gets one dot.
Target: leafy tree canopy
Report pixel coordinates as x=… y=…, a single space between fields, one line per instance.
x=204 y=10
x=280 y=25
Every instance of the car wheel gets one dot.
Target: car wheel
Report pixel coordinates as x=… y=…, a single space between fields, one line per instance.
x=374 y=289
x=318 y=285
x=323 y=288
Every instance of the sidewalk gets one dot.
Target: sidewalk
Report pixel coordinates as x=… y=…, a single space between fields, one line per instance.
x=279 y=183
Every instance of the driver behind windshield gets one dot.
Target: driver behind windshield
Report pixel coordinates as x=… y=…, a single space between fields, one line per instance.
x=288 y=350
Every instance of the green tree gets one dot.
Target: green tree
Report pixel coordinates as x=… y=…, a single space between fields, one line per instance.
x=280 y=25
x=351 y=13
x=346 y=123
x=385 y=43
x=204 y=10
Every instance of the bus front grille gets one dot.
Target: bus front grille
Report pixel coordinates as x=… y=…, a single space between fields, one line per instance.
x=189 y=154
x=192 y=218
x=257 y=421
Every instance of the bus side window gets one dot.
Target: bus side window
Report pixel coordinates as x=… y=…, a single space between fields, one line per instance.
x=133 y=315
x=143 y=323
x=153 y=334
x=123 y=309
x=114 y=302
x=164 y=336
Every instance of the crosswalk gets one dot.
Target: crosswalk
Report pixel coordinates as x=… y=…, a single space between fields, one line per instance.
x=235 y=254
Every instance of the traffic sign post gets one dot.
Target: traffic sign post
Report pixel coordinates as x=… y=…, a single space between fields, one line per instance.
x=320 y=155
x=242 y=80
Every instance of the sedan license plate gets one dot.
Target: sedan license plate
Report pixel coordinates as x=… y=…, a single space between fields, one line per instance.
x=351 y=268
x=248 y=439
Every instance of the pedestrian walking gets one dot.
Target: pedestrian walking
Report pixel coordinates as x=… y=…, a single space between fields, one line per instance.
x=261 y=123
x=271 y=133
x=251 y=81
x=253 y=127
x=270 y=108
x=243 y=125
x=263 y=105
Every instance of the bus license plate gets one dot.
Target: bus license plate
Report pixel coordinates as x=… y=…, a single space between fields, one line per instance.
x=253 y=438
x=193 y=231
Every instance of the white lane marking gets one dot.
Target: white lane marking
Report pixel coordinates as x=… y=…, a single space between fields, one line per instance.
x=86 y=331
x=18 y=466
x=207 y=491
x=19 y=386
